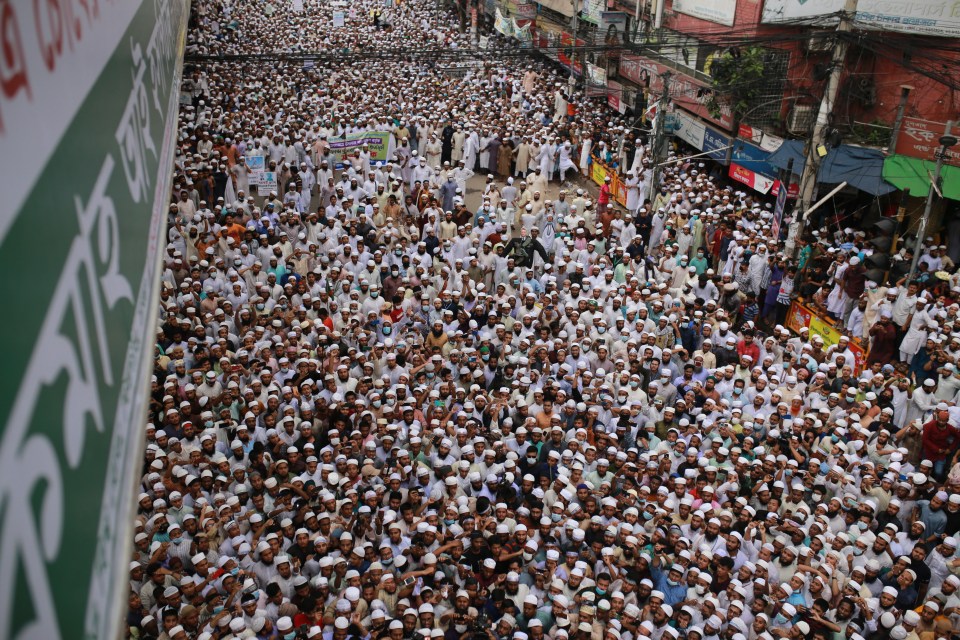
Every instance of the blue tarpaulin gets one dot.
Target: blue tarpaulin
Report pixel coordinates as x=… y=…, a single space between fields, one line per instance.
x=789 y=150
x=857 y=166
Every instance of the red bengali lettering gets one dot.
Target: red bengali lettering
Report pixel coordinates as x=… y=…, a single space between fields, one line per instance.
x=91 y=8
x=77 y=21
x=13 y=60
x=50 y=30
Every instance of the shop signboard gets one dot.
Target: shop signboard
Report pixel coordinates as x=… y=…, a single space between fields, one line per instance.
x=685 y=91
x=88 y=104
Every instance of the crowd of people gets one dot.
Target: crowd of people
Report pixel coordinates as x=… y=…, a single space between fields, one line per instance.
x=378 y=413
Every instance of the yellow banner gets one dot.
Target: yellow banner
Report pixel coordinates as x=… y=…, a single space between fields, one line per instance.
x=598 y=172
x=802 y=315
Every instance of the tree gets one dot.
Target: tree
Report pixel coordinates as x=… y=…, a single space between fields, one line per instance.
x=738 y=81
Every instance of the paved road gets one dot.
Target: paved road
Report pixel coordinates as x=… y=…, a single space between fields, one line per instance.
x=476 y=184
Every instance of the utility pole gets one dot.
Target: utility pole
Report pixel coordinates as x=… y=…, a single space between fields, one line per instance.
x=659 y=141
x=573 y=45
x=946 y=141
x=901 y=213
x=901 y=109
x=636 y=23
x=474 y=18
x=808 y=180
x=658 y=16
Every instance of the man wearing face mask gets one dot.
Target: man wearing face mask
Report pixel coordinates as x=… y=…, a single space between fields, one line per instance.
x=531 y=464
x=669 y=581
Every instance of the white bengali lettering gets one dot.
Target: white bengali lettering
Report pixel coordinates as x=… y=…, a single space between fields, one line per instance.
x=158 y=51
x=123 y=460
x=134 y=135
x=72 y=343
x=921 y=135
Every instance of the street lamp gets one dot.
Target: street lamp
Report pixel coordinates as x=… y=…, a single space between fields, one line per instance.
x=946 y=141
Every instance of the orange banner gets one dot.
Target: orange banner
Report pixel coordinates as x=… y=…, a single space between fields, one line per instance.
x=598 y=173
x=802 y=315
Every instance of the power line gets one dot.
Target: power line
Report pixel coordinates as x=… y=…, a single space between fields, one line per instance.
x=426 y=55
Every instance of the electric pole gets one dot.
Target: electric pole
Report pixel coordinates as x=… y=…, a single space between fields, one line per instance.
x=573 y=45
x=901 y=213
x=898 y=122
x=659 y=140
x=808 y=180
x=946 y=141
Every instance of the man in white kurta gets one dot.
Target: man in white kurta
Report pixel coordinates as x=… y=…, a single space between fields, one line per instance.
x=633 y=192
x=471 y=147
x=565 y=160
x=433 y=149
x=484 y=146
x=459 y=140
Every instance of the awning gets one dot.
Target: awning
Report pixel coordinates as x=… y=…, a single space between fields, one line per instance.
x=857 y=166
x=789 y=150
x=915 y=174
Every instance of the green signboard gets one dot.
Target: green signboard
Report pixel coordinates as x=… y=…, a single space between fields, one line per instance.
x=377 y=142
x=88 y=126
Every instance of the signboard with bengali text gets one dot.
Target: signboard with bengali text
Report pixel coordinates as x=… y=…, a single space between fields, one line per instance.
x=615 y=96
x=377 y=142
x=765 y=141
x=89 y=102
x=612 y=30
x=685 y=91
x=754 y=180
x=749 y=164
x=715 y=144
x=526 y=11
x=719 y=11
x=564 y=56
x=590 y=10
x=921 y=17
x=596 y=80
x=921 y=139
x=690 y=129
x=598 y=172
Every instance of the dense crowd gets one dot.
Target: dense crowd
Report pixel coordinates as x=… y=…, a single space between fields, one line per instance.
x=378 y=413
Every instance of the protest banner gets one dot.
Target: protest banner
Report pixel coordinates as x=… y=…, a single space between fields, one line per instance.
x=378 y=143
x=804 y=315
